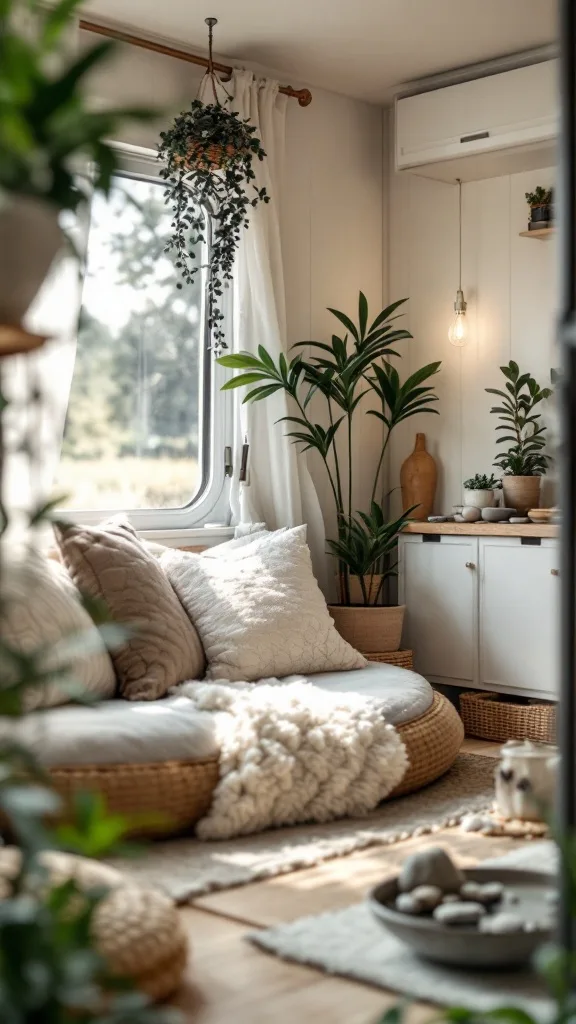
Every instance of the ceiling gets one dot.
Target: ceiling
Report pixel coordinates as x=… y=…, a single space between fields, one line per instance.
x=362 y=48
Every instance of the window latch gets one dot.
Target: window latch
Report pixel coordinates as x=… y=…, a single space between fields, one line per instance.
x=228 y=464
x=244 y=462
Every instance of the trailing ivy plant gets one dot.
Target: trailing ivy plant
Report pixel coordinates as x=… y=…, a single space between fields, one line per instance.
x=343 y=373
x=520 y=423
x=207 y=157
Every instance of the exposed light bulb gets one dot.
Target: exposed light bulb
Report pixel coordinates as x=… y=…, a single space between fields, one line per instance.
x=458 y=331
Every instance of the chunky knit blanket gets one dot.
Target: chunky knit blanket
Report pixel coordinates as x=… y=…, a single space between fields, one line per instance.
x=292 y=753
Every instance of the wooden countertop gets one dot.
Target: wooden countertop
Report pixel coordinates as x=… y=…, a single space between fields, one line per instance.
x=486 y=529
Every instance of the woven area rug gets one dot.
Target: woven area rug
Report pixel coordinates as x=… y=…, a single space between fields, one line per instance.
x=187 y=868
x=352 y=944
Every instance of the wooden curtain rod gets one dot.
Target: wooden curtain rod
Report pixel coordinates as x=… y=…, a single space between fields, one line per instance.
x=304 y=96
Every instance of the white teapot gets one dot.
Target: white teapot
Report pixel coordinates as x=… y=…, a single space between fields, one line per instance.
x=526 y=780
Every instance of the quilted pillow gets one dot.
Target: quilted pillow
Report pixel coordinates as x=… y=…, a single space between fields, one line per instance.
x=260 y=612
x=110 y=562
x=42 y=608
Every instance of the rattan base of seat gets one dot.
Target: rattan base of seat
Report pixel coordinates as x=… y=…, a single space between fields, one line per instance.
x=181 y=792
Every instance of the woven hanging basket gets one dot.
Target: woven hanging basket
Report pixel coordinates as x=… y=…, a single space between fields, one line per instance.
x=488 y=717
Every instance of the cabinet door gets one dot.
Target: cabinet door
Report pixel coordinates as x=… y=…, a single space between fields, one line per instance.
x=438 y=585
x=519 y=590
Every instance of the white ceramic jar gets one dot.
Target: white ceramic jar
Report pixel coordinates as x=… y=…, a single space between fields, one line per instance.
x=526 y=780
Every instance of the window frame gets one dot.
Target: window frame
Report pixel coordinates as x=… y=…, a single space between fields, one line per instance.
x=211 y=504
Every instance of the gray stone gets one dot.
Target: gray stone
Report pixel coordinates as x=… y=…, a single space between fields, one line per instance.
x=470 y=891
x=459 y=913
x=430 y=867
x=451 y=898
x=428 y=896
x=406 y=904
x=437 y=519
x=502 y=923
x=490 y=892
x=517 y=520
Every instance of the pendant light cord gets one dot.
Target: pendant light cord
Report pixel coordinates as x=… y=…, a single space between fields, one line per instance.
x=459 y=233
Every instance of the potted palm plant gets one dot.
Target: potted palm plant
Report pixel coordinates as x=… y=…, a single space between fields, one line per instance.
x=524 y=463
x=342 y=374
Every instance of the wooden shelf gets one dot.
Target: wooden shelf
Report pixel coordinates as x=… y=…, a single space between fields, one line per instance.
x=486 y=529
x=541 y=233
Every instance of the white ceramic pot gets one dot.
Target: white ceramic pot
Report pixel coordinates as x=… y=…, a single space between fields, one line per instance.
x=480 y=499
x=526 y=780
x=30 y=239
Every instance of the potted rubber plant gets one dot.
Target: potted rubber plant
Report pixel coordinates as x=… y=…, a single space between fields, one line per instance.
x=524 y=462
x=207 y=156
x=540 y=203
x=341 y=375
x=48 y=133
x=479 y=490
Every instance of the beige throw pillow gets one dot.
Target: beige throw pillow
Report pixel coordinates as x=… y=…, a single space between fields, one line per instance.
x=109 y=562
x=260 y=612
x=42 y=609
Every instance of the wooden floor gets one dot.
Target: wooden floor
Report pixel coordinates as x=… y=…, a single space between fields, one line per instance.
x=229 y=981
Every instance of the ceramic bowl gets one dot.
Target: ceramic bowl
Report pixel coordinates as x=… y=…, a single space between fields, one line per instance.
x=540 y=515
x=497 y=515
x=465 y=945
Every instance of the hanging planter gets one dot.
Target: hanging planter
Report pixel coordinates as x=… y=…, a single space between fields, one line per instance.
x=207 y=155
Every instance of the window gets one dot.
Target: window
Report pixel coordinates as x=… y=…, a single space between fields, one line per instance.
x=138 y=433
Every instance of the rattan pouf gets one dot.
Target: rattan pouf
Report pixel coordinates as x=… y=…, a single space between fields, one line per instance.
x=432 y=744
x=138 y=931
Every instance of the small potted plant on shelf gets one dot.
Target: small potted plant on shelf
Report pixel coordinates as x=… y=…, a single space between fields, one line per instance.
x=525 y=462
x=342 y=374
x=540 y=203
x=479 y=490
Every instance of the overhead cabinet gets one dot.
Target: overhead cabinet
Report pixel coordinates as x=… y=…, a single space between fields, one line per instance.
x=482 y=612
x=489 y=126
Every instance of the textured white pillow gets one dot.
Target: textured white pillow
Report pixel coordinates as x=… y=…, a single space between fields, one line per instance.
x=260 y=612
x=42 y=607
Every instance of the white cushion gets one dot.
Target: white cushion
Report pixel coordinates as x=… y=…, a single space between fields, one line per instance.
x=405 y=695
x=259 y=611
x=140 y=732
x=43 y=609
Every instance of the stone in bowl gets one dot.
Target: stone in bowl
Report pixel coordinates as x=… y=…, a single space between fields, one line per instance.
x=497 y=515
x=527 y=894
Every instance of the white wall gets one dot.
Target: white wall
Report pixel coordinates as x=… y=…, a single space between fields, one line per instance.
x=510 y=286
x=331 y=204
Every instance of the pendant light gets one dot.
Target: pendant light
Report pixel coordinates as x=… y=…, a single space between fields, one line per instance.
x=458 y=331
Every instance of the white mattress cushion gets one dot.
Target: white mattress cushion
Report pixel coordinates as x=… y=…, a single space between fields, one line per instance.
x=405 y=695
x=170 y=729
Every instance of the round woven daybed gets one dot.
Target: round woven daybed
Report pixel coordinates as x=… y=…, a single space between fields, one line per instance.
x=162 y=756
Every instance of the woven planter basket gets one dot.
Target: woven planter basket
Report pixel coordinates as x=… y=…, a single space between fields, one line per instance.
x=377 y=629
x=403 y=659
x=488 y=717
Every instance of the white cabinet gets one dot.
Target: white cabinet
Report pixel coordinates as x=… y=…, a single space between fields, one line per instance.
x=482 y=611
x=438 y=587
x=518 y=615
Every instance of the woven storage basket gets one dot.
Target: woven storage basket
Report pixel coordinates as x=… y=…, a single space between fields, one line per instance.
x=404 y=659
x=488 y=717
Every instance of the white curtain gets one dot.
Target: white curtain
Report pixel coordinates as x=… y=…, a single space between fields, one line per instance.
x=279 y=488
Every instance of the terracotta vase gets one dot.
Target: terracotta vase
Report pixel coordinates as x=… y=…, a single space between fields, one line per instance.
x=521 y=492
x=418 y=478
